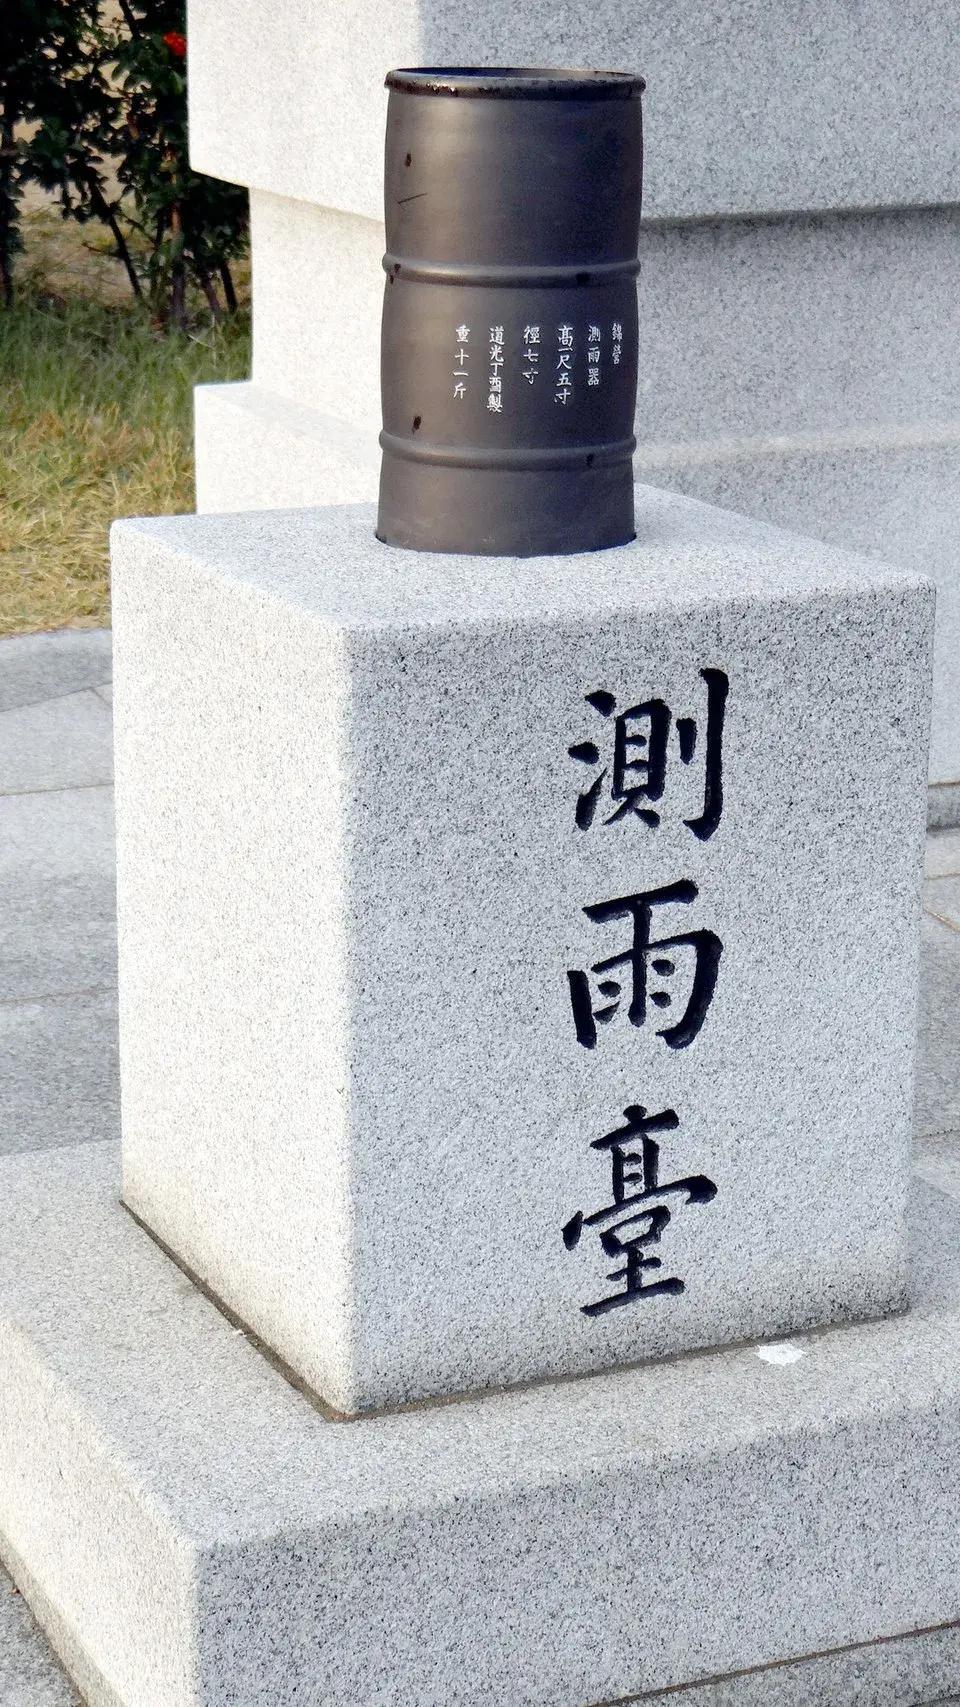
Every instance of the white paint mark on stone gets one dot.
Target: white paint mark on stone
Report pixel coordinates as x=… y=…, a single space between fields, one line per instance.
x=784 y=1351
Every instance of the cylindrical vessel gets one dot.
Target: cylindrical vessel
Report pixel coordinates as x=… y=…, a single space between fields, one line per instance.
x=509 y=343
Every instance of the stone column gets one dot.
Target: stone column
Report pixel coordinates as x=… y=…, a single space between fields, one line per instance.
x=517 y=958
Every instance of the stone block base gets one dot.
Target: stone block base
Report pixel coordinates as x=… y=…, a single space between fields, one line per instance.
x=191 y=1529
x=256 y=450
x=411 y=961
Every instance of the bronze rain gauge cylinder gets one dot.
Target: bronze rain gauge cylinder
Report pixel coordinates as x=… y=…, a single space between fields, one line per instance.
x=509 y=347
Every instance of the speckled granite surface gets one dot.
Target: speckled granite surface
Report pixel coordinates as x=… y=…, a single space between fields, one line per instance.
x=56 y=1017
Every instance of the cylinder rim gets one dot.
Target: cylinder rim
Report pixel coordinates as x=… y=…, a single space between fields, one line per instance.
x=513 y=82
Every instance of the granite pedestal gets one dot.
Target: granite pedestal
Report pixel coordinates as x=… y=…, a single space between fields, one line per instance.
x=771 y=1530
x=517 y=959
x=764 y=1525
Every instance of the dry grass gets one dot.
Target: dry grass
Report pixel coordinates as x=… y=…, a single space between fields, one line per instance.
x=95 y=422
x=66 y=475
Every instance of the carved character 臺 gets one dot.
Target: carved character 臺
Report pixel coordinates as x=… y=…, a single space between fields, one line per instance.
x=636 y=1188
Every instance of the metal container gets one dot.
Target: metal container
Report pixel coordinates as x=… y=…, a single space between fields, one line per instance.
x=509 y=346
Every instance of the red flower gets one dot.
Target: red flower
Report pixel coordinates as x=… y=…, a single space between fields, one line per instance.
x=176 y=43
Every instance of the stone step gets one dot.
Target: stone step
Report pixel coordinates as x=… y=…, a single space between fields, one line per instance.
x=189 y=1527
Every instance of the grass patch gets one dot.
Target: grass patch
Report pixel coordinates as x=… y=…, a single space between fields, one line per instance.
x=95 y=422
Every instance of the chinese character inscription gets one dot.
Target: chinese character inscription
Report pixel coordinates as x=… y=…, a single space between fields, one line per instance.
x=658 y=961
x=461 y=363
x=638 y=744
x=531 y=354
x=575 y=358
x=636 y=1217
x=495 y=380
x=645 y=955
x=566 y=350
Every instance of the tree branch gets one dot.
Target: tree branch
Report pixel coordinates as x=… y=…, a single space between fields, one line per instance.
x=228 y=288
x=104 y=211
x=209 y=292
x=130 y=20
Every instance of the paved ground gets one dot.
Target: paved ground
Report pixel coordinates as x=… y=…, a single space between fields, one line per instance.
x=58 y=969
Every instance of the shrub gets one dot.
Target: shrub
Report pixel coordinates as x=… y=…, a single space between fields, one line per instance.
x=47 y=57
x=81 y=94
x=193 y=225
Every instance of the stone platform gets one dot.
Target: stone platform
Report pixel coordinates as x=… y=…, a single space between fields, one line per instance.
x=195 y=1531
x=56 y=996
